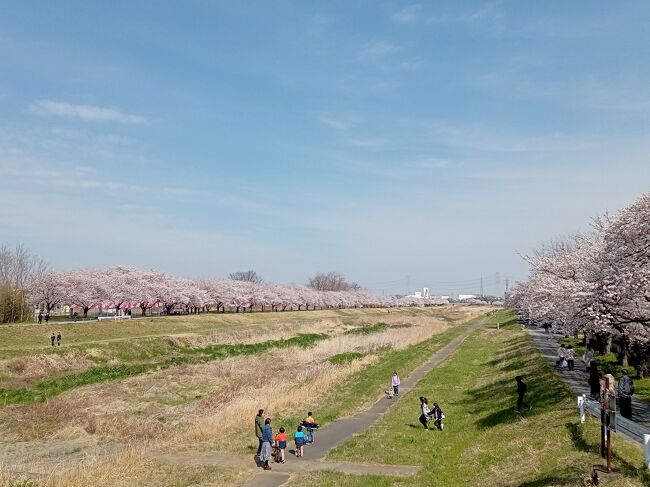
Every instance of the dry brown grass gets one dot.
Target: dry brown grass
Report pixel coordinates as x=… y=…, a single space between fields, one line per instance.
x=184 y=406
x=19 y=371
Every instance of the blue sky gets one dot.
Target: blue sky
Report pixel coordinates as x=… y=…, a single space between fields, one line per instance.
x=435 y=140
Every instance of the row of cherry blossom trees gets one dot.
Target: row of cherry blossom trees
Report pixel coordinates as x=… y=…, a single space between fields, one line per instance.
x=596 y=282
x=122 y=287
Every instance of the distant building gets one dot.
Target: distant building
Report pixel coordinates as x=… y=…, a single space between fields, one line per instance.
x=464 y=297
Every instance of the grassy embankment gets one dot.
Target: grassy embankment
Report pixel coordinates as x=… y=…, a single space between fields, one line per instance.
x=485 y=441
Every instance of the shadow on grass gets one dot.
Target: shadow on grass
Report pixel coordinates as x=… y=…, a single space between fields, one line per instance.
x=626 y=468
x=571 y=478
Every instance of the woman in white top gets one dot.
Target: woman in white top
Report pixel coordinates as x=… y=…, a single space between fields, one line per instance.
x=425 y=412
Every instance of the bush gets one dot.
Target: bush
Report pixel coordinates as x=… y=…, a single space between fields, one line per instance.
x=345 y=357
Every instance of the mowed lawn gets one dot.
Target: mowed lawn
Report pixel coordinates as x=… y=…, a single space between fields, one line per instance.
x=484 y=441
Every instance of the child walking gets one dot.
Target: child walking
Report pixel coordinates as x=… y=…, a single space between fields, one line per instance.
x=280 y=444
x=395 y=383
x=299 y=438
x=438 y=416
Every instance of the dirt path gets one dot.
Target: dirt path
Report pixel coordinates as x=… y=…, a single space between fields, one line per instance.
x=340 y=431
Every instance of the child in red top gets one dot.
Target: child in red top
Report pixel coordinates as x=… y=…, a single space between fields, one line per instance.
x=280 y=444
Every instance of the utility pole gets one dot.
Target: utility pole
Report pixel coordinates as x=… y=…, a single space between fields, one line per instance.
x=481 y=286
x=507 y=281
x=408 y=284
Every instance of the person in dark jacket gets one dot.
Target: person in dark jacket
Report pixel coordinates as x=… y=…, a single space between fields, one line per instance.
x=594 y=380
x=438 y=416
x=521 y=390
x=259 y=427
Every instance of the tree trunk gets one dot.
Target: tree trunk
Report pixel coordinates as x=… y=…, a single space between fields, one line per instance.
x=608 y=345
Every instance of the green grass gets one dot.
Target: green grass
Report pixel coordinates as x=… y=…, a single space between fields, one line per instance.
x=341 y=358
x=364 y=388
x=642 y=389
x=485 y=442
x=49 y=388
x=367 y=330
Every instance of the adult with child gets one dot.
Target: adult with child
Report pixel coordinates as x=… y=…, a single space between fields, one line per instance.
x=521 y=390
x=259 y=428
x=267 y=442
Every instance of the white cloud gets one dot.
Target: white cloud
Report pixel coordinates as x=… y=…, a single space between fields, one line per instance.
x=337 y=123
x=377 y=50
x=89 y=113
x=408 y=14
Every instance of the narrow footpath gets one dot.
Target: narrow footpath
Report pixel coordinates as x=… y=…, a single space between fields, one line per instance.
x=341 y=430
x=549 y=344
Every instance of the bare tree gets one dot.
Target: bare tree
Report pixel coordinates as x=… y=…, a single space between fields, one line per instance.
x=332 y=281
x=18 y=269
x=247 y=276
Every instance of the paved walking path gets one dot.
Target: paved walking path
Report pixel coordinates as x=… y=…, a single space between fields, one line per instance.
x=577 y=379
x=341 y=430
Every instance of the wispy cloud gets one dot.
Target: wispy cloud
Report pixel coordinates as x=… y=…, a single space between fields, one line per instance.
x=377 y=50
x=408 y=14
x=337 y=123
x=90 y=113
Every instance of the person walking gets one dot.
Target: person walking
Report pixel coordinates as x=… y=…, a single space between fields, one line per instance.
x=588 y=357
x=40 y=318
x=47 y=318
x=521 y=390
x=267 y=442
x=425 y=412
x=570 y=357
x=58 y=339
x=594 y=380
x=438 y=416
x=52 y=338
x=561 y=354
x=625 y=391
x=259 y=427
x=395 y=383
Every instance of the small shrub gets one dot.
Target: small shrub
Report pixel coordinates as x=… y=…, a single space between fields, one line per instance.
x=367 y=330
x=345 y=357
